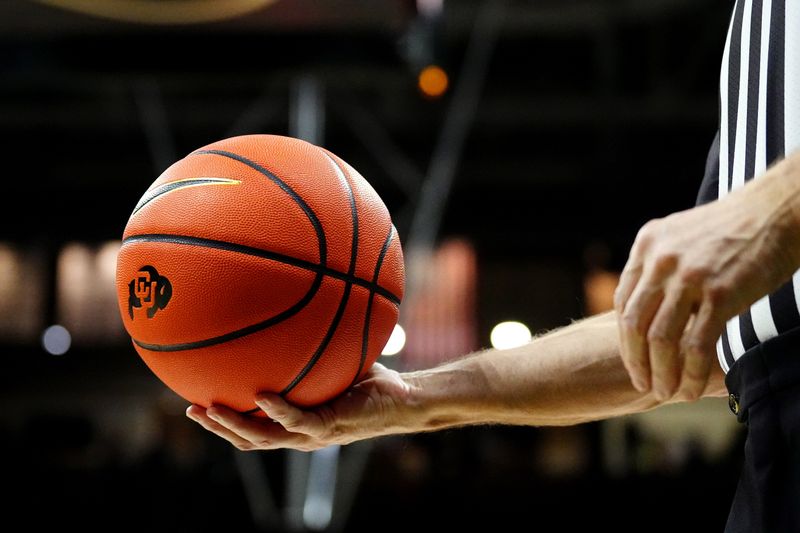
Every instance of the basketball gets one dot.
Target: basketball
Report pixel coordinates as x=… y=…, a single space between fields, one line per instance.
x=259 y=263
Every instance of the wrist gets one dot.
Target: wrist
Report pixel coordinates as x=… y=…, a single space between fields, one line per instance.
x=444 y=397
x=785 y=193
x=768 y=209
x=791 y=177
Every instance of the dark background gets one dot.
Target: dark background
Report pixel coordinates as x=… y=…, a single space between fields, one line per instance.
x=593 y=117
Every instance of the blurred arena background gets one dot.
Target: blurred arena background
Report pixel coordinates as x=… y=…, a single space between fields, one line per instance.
x=517 y=172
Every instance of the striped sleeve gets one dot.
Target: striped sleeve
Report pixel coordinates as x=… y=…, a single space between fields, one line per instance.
x=759 y=96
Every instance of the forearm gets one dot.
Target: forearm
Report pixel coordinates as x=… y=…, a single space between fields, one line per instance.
x=774 y=201
x=569 y=376
x=783 y=184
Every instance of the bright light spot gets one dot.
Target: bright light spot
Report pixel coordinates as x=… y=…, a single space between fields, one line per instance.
x=396 y=341
x=433 y=81
x=509 y=335
x=56 y=340
x=318 y=507
x=317 y=513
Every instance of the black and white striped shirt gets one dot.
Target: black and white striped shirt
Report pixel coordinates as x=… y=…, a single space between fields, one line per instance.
x=759 y=97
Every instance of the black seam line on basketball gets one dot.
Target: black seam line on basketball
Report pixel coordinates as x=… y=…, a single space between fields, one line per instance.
x=175 y=185
x=353 y=213
x=322 y=345
x=264 y=254
x=250 y=411
x=247 y=330
x=312 y=216
x=345 y=295
x=368 y=312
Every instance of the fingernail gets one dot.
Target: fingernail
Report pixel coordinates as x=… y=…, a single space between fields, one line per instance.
x=213 y=415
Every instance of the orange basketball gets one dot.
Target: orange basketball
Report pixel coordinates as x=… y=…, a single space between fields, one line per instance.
x=260 y=263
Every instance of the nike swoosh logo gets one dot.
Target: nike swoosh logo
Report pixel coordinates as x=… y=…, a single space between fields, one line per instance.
x=152 y=194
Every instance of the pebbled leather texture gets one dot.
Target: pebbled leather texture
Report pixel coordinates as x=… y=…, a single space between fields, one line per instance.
x=255 y=279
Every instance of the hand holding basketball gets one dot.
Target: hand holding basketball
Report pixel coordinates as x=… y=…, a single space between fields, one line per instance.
x=358 y=414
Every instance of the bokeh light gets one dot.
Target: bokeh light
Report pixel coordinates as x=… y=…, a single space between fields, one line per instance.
x=509 y=334
x=396 y=341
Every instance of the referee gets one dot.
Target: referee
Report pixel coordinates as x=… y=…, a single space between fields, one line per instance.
x=722 y=279
x=708 y=304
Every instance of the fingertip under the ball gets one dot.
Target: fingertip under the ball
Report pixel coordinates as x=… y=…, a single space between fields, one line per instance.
x=266 y=399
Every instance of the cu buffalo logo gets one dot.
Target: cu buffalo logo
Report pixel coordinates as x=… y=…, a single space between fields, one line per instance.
x=148 y=289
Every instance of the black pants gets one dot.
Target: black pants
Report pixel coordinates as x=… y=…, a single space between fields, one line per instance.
x=765 y=384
